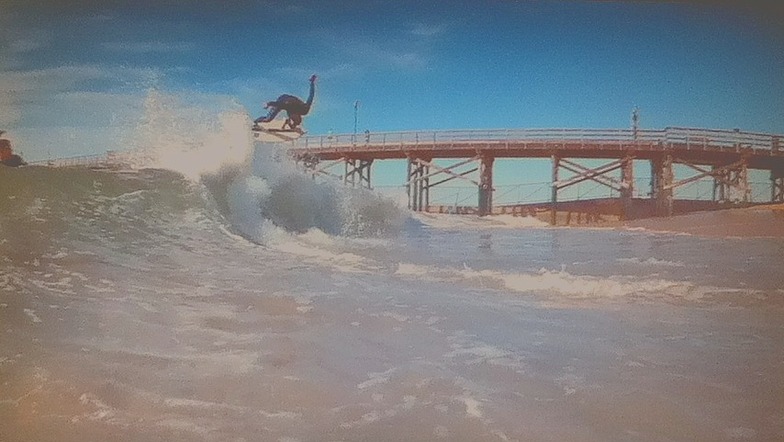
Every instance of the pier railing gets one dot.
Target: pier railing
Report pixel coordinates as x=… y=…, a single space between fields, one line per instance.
x=98 y=160
x=689 y=137
x=108 y=160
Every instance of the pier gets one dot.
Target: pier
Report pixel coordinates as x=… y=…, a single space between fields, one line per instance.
x=725 y=157
x=721 y=155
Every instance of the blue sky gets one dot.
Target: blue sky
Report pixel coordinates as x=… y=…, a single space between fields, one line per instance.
x=72 y=76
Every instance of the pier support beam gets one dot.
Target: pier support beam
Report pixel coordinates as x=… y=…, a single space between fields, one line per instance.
x=627 y=188
x=725 y=179
x=554 y=193
x=743 y=181
x=418 y=184
x=777 y=184
x=486 y=185
x=624 y=186
x=663 y=178
x=655 y=178
x=721 y=179
x=357 y=173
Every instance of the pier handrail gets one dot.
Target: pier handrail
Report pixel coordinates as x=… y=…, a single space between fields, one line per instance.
x=670 y=135
x=110 y=159
x=686 y=137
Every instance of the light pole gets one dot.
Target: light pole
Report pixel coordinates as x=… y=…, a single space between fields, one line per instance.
x=356 y=108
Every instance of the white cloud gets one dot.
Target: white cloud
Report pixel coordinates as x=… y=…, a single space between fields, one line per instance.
x=368 y=52
x=10 y=112
x=16 y=41
x=338 y=70
x=63 y=78
x=39 y=80
x=29 y=44
x=427 y=30
x=27 y=97
x=407 y=60
x=89 y=123
x=144 y=47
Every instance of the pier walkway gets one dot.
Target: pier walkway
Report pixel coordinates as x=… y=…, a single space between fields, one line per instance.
x=725 y=156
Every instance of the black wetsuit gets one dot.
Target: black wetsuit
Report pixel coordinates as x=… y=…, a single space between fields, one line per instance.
x=294 y=107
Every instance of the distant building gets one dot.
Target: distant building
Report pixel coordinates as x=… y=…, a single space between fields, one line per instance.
x=7 y=155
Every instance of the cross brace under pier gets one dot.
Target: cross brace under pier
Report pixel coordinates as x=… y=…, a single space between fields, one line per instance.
x=624 y=185
x=418 y=183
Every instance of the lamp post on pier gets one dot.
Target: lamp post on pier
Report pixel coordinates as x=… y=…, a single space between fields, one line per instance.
x=356 y=109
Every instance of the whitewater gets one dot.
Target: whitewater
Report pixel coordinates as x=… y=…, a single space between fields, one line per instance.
x=218 y=293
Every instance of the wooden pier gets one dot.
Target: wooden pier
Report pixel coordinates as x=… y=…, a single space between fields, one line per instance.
x=721 y=155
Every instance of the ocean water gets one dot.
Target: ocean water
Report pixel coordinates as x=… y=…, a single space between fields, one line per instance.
x=237 y=299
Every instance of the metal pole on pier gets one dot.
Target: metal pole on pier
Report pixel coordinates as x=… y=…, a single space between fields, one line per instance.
x=356 y=112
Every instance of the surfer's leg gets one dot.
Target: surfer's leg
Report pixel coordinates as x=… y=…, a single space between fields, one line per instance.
x=270 y=116
x=295 y=120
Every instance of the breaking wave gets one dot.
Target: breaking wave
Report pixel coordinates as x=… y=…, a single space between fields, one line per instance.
x=255 y=186
x=270 y=194
x=191 y=163
x=199 y=178
x=45 y=208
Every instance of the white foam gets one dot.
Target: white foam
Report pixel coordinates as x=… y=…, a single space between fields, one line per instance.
x=33 y=317
x=479 y=353
x=652 y=262
x=96 y=289
x=317 y=236
x=447 y=221
x=102 y=410
x=342 y=261
x=185 y=425
x=376 y=379
x=5 y=283
x=222 y=406
x=472 y=406
x=565 y=285
x=62 y=253
x=656 y=231
x=245 y=196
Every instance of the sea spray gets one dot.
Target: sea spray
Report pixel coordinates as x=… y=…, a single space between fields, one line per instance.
x=190 y=134
x=256 y=186
x=271 y=193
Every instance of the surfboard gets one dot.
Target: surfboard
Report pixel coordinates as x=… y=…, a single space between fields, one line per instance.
x=271 y=132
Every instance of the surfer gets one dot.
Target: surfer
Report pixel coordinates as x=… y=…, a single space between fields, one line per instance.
x=295 y=108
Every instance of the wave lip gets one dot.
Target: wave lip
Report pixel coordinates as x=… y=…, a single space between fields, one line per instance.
x=270 y=195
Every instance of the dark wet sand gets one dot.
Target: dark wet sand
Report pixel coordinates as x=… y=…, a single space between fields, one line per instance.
x=754 y=222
